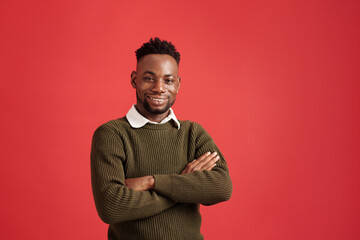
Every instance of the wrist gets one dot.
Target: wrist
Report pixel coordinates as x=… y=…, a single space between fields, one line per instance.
x=151 y=182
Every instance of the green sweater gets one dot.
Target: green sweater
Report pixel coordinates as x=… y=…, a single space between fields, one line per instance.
x=171 y=210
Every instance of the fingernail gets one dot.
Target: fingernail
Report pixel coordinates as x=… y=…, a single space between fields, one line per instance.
x=215 y=153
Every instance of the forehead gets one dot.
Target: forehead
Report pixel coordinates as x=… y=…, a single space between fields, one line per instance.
x=160 y=64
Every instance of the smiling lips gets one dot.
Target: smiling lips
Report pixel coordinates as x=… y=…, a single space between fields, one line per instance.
x=157 y=100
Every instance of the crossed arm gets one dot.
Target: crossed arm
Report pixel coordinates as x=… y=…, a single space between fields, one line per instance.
x=118 y=199
x=205 y=162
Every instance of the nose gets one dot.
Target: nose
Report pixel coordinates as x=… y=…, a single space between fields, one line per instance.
x=159 y=86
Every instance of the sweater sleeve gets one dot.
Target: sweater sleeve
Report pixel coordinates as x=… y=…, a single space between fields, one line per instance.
x=114 y=201
x=205 y=187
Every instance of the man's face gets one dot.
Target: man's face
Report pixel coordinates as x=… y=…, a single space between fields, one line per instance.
x=156 y=82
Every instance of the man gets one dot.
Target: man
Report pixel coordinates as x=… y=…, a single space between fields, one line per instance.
x=145 y=180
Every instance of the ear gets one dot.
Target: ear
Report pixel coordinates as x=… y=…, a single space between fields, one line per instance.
x=133 y=79
x=179 y=78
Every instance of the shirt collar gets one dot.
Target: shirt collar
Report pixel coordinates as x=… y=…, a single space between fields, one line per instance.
x=137 y=120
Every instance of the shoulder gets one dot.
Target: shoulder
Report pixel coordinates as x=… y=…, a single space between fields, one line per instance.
x=188 y=123
x=113 y=126
x=197 y=134
x=192 y=126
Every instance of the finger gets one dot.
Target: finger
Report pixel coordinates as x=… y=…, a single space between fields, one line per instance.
x=200 y=162
x=186 y=170
x=204 y=156
x=188 y=167
x=207 y=159
x=209 y=168
x=191 y=164
x=209 y=165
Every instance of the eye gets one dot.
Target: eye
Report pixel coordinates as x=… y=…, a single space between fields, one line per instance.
x=148 y=79
x=169 y=81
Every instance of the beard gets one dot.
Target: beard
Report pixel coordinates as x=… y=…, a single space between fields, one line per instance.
x=148 y=108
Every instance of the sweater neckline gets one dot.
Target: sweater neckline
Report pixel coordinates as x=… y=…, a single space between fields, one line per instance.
x=163 y=126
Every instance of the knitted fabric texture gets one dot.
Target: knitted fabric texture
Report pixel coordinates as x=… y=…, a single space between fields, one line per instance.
x=171 y=209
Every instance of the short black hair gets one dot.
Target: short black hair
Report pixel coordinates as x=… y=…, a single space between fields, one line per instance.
x=157 y=46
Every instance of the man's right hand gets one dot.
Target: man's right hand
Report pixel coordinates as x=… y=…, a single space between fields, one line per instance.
x=205 y=162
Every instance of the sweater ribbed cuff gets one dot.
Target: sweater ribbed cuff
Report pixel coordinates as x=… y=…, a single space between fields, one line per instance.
x=163 y=184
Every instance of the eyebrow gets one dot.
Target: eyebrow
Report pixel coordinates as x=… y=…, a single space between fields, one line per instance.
x=152 y=73
x=149 y=72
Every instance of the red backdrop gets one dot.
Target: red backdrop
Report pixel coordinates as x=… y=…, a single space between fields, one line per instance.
x=276 y=84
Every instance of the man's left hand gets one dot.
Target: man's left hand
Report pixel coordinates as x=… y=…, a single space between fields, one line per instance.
x=141 y=183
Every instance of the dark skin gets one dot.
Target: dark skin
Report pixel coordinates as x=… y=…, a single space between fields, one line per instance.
x=157 y=83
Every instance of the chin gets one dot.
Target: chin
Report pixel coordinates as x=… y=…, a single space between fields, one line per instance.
x=157 y=110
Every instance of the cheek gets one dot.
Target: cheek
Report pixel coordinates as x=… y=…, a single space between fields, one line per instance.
x=141 y=88
x=173 y=91
x=140 y=92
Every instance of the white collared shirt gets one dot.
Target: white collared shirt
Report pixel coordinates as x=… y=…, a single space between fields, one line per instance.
x=137 y=120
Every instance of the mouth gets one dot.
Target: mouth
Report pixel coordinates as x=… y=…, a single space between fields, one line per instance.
x=157 y=100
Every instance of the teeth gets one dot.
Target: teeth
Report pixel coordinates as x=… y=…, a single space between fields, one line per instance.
x=157 y=99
